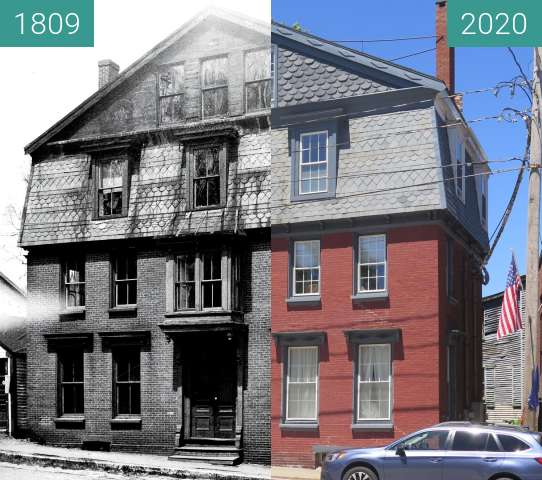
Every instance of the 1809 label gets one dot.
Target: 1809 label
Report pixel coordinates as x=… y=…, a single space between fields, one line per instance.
x=47 y=23
x=494 y=23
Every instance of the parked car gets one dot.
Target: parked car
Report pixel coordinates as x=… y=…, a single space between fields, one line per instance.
x=448 y=451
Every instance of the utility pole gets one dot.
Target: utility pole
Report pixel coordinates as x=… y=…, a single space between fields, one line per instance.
x=532 y=300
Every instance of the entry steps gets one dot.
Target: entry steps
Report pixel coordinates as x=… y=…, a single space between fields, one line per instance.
x=208 y=453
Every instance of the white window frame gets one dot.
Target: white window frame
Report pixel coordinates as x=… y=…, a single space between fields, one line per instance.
x=459 y=182
x=295 y=269
x=316 y=385
x=326 y=162
x=360 y=263
x=67 y=283
x=360 y=383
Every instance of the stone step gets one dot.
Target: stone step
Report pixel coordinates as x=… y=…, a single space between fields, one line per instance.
x=207 y=449
x=215 y=460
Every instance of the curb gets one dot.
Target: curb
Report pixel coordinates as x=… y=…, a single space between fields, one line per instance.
x=111 y=467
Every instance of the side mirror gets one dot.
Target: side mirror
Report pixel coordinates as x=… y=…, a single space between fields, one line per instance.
x=400 y=451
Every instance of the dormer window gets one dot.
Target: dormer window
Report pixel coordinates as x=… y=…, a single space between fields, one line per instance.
x=111 y=187
x=214 y=87
x=171 y=94
x=459 y=162
x=257 y=80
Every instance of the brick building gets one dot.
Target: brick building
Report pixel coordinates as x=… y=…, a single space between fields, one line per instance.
x=147 y=229
x=379 y=227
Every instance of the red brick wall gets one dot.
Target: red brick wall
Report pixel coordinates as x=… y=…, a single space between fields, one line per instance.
x=413 y=306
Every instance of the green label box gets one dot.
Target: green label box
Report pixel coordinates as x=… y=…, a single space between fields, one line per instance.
x=46 y=23
x=495 y=23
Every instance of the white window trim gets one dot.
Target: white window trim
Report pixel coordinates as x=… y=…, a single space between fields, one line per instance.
x=360 y=264
x=117 y=282
x=459 y=141
x=359 y=383
x=67 y=284
x=267 y=79
x=295 y=269
x=317 y=385
x=326 y=162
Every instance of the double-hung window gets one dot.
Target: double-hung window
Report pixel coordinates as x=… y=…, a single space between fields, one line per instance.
x=125 y=280
x=374 y=382
x=302 y=384
x=171 y=94
x=214 y=87
x=71 y=382
x=306 y=268
x=372 y=264
x=199 y=281
x=74 y=283
x=207 y=177
x=112 y=187
x=313 y=165
x=127 y=382
x=257 y=80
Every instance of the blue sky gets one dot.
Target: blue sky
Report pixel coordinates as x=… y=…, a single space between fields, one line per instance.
x=476 y=68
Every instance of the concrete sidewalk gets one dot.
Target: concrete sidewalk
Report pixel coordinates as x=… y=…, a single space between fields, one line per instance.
x=25 y=452
x=288 y=473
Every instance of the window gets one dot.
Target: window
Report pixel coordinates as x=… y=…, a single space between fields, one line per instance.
x=71 y=384
x=512 y=444
x=74 y=283
x=111 y=187
x=125 y=280
x=127 y=382
x=207 y=177
x=3 y=374
x=274 y=63
x=198 y=281
x=302 y=384
x=374 y=382
x=306 y=271
x=474 y=441
x=372 y=264
x=459 y=161
x=257 y=80
x=450 y=263
x=431 y=440
x=214 y=87
x=489 y=387
x=171 y=94
x=313 y=167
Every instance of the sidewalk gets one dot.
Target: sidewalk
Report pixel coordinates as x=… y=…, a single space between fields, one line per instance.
x=288 y=473
x=25 y=452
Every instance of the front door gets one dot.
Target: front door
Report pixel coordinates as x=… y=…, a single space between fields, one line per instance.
x=3 y=394
x=212 y=389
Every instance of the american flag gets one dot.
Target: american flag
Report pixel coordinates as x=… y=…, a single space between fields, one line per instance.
x=510 y=320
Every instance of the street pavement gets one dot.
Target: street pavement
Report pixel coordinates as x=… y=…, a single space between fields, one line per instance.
x=9 y=471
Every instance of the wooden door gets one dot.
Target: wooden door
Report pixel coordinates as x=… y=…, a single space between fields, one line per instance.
x=212 y=391
x=3 y=395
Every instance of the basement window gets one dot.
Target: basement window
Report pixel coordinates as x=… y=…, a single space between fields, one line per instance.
x=214 y=87
x=171 y=94
x=257 y=80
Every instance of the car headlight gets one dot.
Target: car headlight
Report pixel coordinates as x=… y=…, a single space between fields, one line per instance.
x=331 y=457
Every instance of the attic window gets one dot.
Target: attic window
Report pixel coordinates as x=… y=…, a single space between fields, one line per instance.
x=171 y=93
x=257 y=80
x=214 y=87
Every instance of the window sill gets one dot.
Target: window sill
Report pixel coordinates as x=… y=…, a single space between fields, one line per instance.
x=304 y=301
x=109 y=217
x=124 y=311
x=373 y=427
x=128 y=422
x=299 y=426
x=70 y=421
x=370 y=296
x=71 y=314
x=201 y=313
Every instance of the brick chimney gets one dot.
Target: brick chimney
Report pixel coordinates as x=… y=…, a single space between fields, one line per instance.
x=445 y=54
x=108 y=70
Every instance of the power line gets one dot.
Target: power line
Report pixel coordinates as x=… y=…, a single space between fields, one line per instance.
x=385 y=40
x=413 y=54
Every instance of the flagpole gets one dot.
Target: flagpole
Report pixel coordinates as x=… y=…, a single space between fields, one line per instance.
x=532 y=299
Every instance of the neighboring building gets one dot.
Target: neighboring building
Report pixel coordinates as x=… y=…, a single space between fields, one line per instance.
x=379 y=231
x=503 y=364
x=147 y=229
x=13 y=415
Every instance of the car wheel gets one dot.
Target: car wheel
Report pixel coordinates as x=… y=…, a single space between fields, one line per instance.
x=360 y=473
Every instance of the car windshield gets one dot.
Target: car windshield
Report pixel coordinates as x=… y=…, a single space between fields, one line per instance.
x=428 y=440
